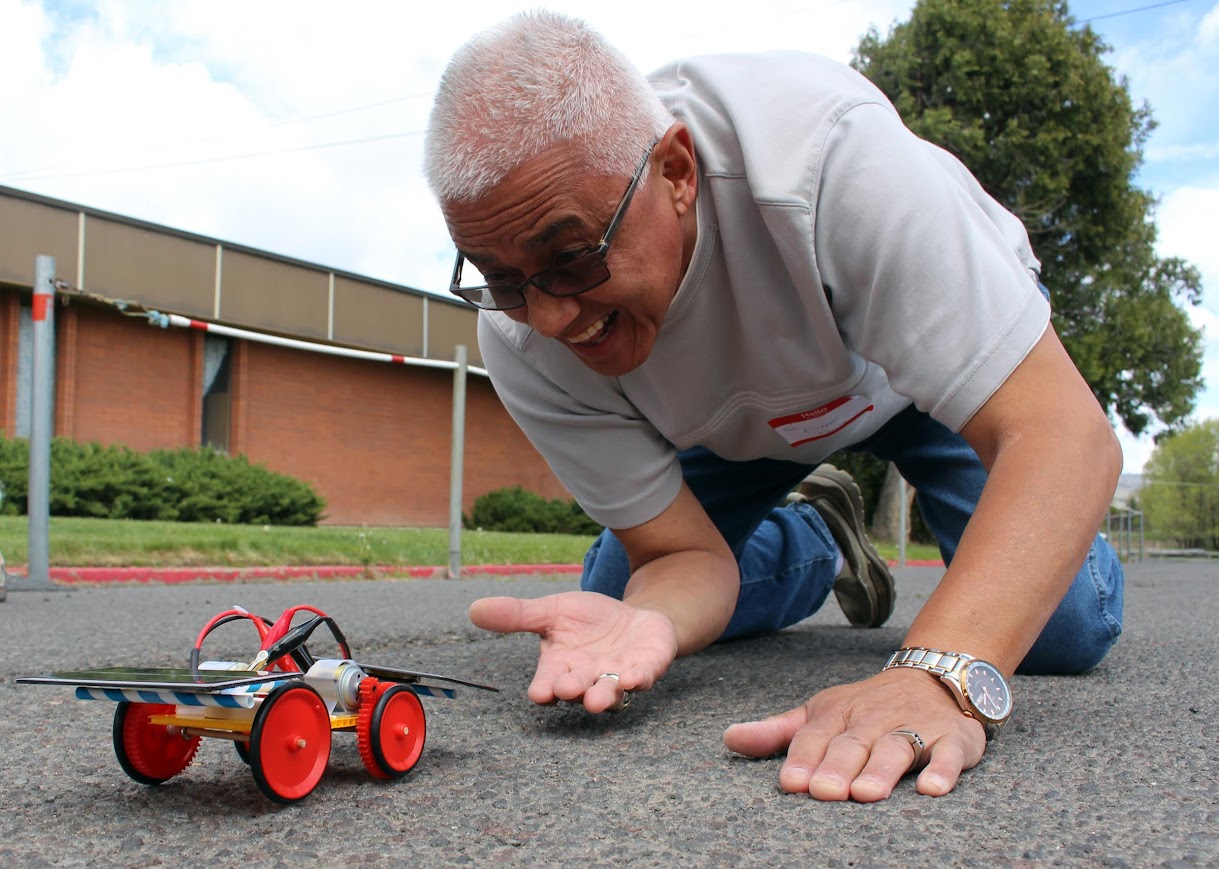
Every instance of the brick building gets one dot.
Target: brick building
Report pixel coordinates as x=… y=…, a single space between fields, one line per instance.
x=373 y=437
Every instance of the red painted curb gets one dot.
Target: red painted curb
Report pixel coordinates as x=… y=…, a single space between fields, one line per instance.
x=178 y=575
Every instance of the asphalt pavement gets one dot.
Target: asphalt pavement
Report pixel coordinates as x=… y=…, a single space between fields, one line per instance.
x=1116 y=768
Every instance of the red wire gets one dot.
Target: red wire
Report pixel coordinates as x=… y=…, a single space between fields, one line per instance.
x=258 y=623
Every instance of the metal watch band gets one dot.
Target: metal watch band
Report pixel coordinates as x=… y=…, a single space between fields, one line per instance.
x=932 y=660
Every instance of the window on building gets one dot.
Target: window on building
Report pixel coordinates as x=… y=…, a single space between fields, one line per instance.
x=217 y=404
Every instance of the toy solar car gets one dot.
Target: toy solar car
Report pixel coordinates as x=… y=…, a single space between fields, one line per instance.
x=279 y=710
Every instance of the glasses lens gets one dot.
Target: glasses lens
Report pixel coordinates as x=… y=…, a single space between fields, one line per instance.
x=500 y=298
x=504 y=297
x=577 y=276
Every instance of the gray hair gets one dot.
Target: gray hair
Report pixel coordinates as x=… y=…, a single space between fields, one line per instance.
x=536 y=80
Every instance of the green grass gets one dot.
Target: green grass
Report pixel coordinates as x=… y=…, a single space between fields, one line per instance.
x=123 y=543
x=113 y=542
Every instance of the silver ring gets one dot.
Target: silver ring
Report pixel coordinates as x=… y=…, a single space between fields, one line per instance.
x=624 y=701
x=916 y=742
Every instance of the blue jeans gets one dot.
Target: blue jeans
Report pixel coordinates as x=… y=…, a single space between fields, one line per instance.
x=787 y=556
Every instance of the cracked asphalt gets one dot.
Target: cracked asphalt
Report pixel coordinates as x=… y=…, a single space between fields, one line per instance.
x=1116 y=768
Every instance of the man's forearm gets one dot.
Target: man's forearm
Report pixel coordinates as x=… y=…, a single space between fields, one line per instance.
x=696 y=590
x=1043 y=502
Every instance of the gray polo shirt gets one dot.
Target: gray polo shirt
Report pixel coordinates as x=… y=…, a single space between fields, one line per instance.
x=844 y=269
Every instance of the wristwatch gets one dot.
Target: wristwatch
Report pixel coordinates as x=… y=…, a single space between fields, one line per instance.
x=978 y=686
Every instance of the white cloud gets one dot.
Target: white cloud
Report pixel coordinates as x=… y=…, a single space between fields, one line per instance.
x=1188 y=223
x=1208 y=31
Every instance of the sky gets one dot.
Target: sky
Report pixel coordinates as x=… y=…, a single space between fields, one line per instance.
x=296 y=126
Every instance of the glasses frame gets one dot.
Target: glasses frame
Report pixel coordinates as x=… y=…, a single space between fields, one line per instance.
x=539 y=279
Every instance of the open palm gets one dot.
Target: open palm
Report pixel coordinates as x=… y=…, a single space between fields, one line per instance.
x=584 y=636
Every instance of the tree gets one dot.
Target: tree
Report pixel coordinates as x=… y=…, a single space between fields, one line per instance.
x=1181 y=495
x=877 y=482
x=1023 y=97
x=886 y=520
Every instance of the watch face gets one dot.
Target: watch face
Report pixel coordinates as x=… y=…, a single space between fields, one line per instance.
x=987 y=689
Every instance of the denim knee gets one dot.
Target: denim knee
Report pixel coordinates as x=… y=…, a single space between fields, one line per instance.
x=787 y=572
x=786 y=566
x=607 y=569
x=1088 y=621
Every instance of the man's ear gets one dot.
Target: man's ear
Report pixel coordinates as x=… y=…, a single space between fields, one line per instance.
x=678 y=166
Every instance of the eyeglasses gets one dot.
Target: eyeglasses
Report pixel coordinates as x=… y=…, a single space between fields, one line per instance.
x=580 y=272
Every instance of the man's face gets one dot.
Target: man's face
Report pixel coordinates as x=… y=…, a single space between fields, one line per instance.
x=549 y=208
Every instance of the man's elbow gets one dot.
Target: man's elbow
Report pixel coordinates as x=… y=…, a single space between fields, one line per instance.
x=1105 y=451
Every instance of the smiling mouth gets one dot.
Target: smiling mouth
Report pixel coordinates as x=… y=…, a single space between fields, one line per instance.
x=596 y=333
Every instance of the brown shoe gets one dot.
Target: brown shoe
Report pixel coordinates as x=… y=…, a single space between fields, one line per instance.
x=864 y=586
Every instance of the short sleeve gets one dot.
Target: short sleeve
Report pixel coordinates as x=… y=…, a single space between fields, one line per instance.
x=612 y=460
x=922 y=266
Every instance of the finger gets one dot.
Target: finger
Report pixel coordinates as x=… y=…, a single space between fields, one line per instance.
x=596 y=689
x=551 y=669
x=639 y=677
x=804 y=756
x=604 y=694
x=571 y=686
x=892 y=757
x=844 y=759
x=766 y=737
x=948 y=759
x=508 y=615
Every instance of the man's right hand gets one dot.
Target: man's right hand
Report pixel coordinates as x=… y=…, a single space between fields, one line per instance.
x=584 y=636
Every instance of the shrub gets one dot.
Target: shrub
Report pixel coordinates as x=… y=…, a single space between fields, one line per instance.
x=515 y=509
x=186 y=485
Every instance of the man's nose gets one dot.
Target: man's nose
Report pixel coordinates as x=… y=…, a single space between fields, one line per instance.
x=550 y=316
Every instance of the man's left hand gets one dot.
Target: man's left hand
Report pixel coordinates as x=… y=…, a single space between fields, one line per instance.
x=841 y=743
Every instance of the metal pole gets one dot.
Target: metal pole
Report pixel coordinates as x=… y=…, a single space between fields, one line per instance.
x=455 y=466
x=902 y=521
x=42 y=394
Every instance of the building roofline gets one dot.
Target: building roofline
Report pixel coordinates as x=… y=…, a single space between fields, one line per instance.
x=89 y=211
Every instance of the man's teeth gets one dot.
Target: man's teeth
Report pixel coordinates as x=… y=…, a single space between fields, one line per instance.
x=591 y=332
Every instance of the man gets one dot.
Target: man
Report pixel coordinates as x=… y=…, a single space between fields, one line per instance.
x=700 y=286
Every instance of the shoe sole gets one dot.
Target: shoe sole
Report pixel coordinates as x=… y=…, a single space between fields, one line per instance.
x=878 y=585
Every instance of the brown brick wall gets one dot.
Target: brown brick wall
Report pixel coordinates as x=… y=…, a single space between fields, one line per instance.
x=10 y=306
x=375 y=438
x=128 y=381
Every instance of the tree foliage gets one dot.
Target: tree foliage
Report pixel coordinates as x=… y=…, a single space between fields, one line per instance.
x=1180 y=498
x=1023 y=97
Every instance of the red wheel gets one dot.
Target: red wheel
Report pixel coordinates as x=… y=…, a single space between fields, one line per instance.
x=148 y=752
x=391 y=729
x=290 y=742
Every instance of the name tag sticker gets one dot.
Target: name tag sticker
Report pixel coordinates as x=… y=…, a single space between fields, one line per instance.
x=821 y=422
